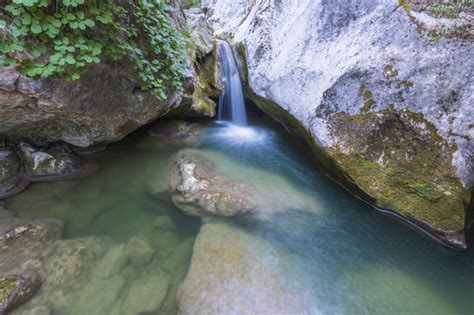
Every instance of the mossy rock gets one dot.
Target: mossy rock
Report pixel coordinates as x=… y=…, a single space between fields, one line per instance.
x=394 y=160
x=206 y=73
x=398 y=158
x=16 y=289
x=54 y=162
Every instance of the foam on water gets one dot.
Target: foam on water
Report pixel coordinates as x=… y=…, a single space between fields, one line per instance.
x=238 y=134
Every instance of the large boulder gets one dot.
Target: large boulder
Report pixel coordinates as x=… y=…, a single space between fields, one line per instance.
x=385 y=107
x=209 y=183
x=235 y=272
x=197 y=189
x=103 y=106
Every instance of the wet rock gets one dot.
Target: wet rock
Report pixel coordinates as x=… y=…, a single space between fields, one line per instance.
x=197 y=190
x=233 y=272
x=55 y=162
x=103 y=106
x=66 y=269
x=69 y=260
x=164 y=222
x=146 y=295
x=16 y=289
x=35 y=266
x=114 y=260
x=10 y=173
x=140 y=251
x=22 y=242
x=99 y=297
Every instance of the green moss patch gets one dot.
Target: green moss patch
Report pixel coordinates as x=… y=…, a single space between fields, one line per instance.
x=7 y=286
x=389 y=72
x=399 y=159
x=206 y=74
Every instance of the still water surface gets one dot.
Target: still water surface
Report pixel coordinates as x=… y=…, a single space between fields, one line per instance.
x=345 y=257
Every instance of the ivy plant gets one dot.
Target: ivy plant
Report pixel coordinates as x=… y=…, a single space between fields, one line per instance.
x=60 y=38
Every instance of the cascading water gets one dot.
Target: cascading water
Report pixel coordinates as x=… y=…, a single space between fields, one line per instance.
x=231 y=103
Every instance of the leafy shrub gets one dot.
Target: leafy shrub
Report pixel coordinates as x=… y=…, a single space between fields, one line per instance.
x=59 y=38
x=190 y=3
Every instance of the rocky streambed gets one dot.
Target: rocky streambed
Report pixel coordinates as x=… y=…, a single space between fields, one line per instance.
x=222 y=219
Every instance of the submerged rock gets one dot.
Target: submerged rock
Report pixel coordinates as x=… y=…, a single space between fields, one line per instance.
x=164 y=222
x=114 y=260
x=139 y=250
x=24 y=241
x=146 y=295
x=69 y=260
x=393 y=123
x=66 y=268
x=179 y=257
x=233 y=272
x=11 y=181
x=99 y=297
x=196 y=188
x=204 y=182
x=16 y=289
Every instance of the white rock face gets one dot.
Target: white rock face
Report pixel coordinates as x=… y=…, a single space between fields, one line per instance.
x=311 y=57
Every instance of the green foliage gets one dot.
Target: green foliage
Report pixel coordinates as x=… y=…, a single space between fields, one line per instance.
x=449 y=10
x=405 y=4
x=439 y=8
x=190 y=3
x=46 y=38
x=436 y=35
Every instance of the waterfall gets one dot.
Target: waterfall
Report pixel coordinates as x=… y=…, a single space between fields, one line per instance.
x=231 y=103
